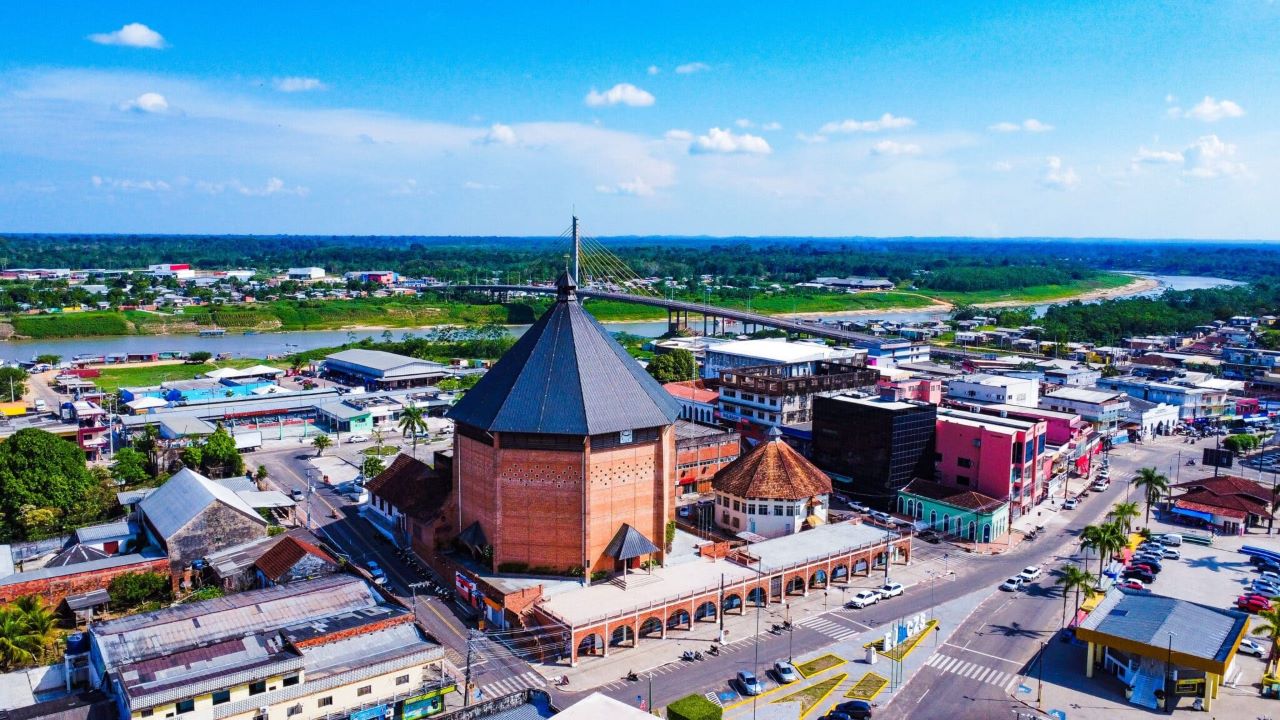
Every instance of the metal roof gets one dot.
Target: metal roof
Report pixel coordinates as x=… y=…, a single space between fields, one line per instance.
x=380 y=361
x=184 y=496
x=567 y=376
x=75 y=555
x=93 y=598
x=629 y=543
x=1167 y=623
x=115 y=561
x=106 y=531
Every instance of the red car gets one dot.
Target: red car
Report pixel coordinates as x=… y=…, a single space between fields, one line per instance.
x=1253 y=603
x=1133 y=585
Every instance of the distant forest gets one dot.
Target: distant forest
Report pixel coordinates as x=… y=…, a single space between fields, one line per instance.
x=944 y=264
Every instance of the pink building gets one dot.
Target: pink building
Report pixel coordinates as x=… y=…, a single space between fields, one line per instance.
x=1062 y=428
x=1003 y=457
x=922 y=389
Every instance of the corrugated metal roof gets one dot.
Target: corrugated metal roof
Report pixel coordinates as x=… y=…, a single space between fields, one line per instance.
x=567 y=376
x=114 y=561
x=629 y=543
x=106 y=531
x=1164 y=622
x=184 y=496
x=380 y=361
x=89 y=599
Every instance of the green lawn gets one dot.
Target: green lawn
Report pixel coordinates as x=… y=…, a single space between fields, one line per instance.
x=1037 y=293
x=112 y=379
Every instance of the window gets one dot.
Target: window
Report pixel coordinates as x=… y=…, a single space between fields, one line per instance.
x=964 y=462
x=751 y=508
x=289 y=680
x=257 y=688
x=962 y=480
x=402 y=680
x=364 y=690
x=186 y=706
x=737 y=506
x=791 y=510
x=147 y=713
x=221 y=697
x=294 y=710
x=325 y=701
x=777 y=510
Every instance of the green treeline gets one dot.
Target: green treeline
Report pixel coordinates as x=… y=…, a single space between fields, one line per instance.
x=1173 y=311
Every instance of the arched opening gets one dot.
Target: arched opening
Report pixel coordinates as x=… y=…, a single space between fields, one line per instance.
x=933 y=519
x=591 y=645
x=860 y=567
x=756 y=597
x=946 y=524
x=900 y=505
x=818 y=579
x=733 y=602
x=881 y=559
x=622 y=635
x=986 y=532
x=919 y=511
x=840 y=573
x=972 y=531
x=679 y=619
x=705 y=611
x=651 y=627
x=795 y=585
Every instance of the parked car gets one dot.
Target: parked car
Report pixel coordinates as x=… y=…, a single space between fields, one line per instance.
x=684 y=511
x=1172 y=554
x=1031 y=572
x=1253 y=603
x=856 y=709
x=1251 y=647
x=859 y=507
x=1098 y=487
x=1013 y=584
x=1171 y=539
x=379 y=577
x=1070 y=504
x=1152 y=568
x=884 y=518
x=1153 y=560
x=749 y=683
x=1133 y=585
x=863 y=599
x=785 y=671
x=930 y=536
x=357 y=438
x=1146 y=576
x=888 y=590
x=1263 y=587
x=1270 y=577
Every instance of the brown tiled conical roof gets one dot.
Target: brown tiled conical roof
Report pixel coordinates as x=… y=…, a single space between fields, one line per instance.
x=774 y=471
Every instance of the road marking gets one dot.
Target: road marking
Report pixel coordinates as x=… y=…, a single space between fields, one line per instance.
x=921 y=698
x=978 y=652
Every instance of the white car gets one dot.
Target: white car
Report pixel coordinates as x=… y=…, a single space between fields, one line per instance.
x=888 y=590
x=1031 y=572
x=1172 y=554
x=1070 y=504
x=1013 y=584
x=1251 y=647
x=863 y=599
x=357 y=438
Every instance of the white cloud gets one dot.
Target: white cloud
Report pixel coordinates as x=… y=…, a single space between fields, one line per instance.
x=654 y=70
x=1157 y=157
x=620 y=94
x=273 y=186
x=742 y=123
x=147 y=102
x=692 y=67
x=811 y=139
x=1002 y=166
x=1210 y=110
x=886 y=121
x=889 y=147
x=1210 y=157
x=635 y=188
x=1030 y=125
x=473 y=185
x=130 y=185
x=771 y=126
x=295 y=84
x=726 y=142
x=500 y=134
x=678 y=135
x=132 y=35
x=1058 y=177
x=1170 y=99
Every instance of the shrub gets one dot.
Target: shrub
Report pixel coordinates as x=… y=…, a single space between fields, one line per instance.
x=132 y=589
x=694 y=707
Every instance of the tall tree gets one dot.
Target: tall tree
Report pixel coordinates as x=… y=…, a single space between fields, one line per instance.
x=1076 y=579
x=1153 y=485
x=129 y=467
x=320 y=443
x=19 y=645
x=1124 y=513
x=13 y=383
x=1268 y=623
x=221 y=456
x=413 y=421
x=674 y=366
x=42 y=470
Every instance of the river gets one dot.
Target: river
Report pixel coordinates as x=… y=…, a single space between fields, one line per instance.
x=282 y=343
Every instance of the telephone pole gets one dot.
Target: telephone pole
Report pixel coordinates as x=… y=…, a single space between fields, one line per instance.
x=466 y=684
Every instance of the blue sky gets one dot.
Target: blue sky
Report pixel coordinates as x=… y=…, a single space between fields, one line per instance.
x=987 y=119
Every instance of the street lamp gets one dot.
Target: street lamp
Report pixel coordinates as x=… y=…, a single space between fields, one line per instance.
x=1040 y=690
x=1168 y=672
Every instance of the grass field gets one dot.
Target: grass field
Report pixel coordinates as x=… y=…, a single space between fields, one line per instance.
x=1037 y=293
x=112 y=379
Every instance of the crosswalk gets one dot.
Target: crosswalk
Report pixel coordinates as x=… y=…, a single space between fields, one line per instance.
x=971 y=670
x=829 y=627
x=509 y=685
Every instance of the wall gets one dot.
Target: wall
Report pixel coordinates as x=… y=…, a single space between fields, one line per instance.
x=217 y=527
x=54 y=590
x=768 y=524
x=633 y=484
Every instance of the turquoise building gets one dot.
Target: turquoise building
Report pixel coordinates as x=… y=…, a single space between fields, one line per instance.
x=954 y=511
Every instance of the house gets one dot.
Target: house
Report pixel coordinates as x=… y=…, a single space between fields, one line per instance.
x=697 y=401
x=330 y=647
x=772 y=491
x=73 y=572
x=1193 y=402
x=999 y=456
x=236 y=568
x=956 y=511
x=984 y=388
x=1230 y=504
x=293 y=559
x=1100 y=408
x=408 y=490
x=750 y=353
x=190 y=516
x=701 y=452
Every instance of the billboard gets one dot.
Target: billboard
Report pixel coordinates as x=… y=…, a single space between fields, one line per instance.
x=1216 y=457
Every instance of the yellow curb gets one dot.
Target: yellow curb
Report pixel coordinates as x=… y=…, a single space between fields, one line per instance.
x=873 y=695
x=818 y=703
x=819 y=672
x=740 y=703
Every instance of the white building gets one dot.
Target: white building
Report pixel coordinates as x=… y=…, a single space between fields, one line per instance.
x=749 y=353
x=305 y=273
x=1151 y=418
x=1102 y=408
x=771 y=491
x=1002 y=389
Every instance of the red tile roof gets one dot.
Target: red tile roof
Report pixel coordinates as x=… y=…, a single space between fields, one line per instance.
x=285 y=554
x=412 y=487
x=773 y=471
x=956 y=497
x=694 y=390
x=1211 y=509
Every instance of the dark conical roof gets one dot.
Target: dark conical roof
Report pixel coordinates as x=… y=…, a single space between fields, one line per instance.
x=568 y=376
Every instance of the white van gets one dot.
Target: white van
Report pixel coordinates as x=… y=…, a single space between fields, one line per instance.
x=1171 y=540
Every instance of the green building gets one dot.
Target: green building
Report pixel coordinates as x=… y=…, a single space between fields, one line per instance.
x=954 y=511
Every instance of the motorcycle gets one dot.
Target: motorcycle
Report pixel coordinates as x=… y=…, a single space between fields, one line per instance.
x=687 y=656
x=632 y=676
x=697 y=655
x=561 y=681
x=714 y=650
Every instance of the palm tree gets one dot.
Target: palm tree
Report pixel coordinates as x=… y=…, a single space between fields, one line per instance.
x=320 y=443
x=1077 y=579
x=1113 y=540
x=413 y=421
x=1268 y=623
x=1124 y=513
x=40 y=622
x=18 y=644
x=1091 y=538
x=1153 y=484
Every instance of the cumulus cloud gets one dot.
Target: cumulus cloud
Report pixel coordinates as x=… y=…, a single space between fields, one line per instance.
x=149 y=102
x=635 y=188
x=1211 y=110
x=500 y=134
x=808 y=139
x=1030 y=125
x=126 y=185
x=692 y=67
x=1157 y=157
x=1057 y=176
x=678 y=135
x=132 y=35
x=1210 y=157
x=887 y=121
x=742 y=123
x=889 y=147
x=273 y=186
x=654 y=70
x=473 y=185
x=620 y=94
x=771 y=126
x=295 y=84
x=726 y=142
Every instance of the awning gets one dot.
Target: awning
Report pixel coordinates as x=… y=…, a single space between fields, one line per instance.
x=628 y=544
x=1193 y=513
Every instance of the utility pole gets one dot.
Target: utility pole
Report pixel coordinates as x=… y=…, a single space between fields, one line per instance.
x=577 y=249
x=466 y=684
